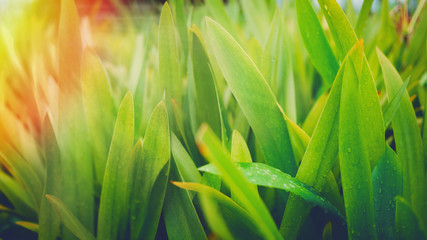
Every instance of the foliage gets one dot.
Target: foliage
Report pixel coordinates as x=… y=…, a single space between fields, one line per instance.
x=237 y=120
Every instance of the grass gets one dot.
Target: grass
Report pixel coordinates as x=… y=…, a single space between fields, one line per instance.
x=237 y=120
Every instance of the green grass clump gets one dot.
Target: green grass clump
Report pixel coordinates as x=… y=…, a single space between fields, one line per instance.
x=237 y=120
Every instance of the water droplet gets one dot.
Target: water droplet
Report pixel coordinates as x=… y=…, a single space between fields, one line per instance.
x=348 y=149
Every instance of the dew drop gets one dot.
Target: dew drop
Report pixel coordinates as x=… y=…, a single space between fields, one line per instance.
x=348 y=149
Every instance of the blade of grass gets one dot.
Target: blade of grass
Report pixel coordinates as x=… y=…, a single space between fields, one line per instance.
x=214 y=217
x=226 y=203
x=341 y=29
x=240 y=153
x=181 y=219
x=169 y=69
x=315 y=41
x=22 y=172
x=254 y=96
x=182 y=28
x=28 y=225
x=354 y=156
x=271 y=51
x=183 y=161
x=387 y=184
x=345 y=38
x=394 y=104
x=313 y=116
x=113 y=203
x=264 y=175
x=218 y=12
x=408 y=225
x=211 y=149
x=418 y=39
x=69 y=220
x=48 y=220
x=319 y=156
x=257 y=16
x=409 y=145
x=149 y=171
x=97 y=93
x=363 y=17
x=17 y=195
x=206 y=96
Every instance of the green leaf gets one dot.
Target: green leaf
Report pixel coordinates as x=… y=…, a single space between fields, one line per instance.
x=169 y=68
x=22 y=172
x=272 y=50
x=240 y=153
x=363 y=17
x=345 y=39
x=254 y=96
x=28 y=225
x=239 y=149
x=214 y=217
x=408 y=140
x=179 y=213
x=218 y=12
x=257 y=16
x=266 y=176
x=276 y=65
x=211 y=148
x=17 y=195
x=100 y=109
x=313 y=116
x=184 y=163
x=48 y=220
x=236 y=212
x=387 y=184
x=69 y=220
x=113 y=204
x=319 y=156
x=149 y=171
x=408 y=225
x=340 y=26
x=315 y=41
x=354 y=151
x=255 y=51
x=73 y=136
x=417 y=41
x=181 y=23
x=394 y=104
x=206 y=97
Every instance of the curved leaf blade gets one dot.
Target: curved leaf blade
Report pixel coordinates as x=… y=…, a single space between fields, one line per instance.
x=353 y=152
x=224 y=201
x=149 y=171
x=254 y=96
x=48 y=220
x=69 y=220
x=100 y=109
x=211 y=148
x=112 y=206
x=409 y=146
x=387 y=184
x=315 y=41
x=267 y=176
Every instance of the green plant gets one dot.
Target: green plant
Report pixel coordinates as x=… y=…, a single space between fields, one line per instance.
x=242 y=120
